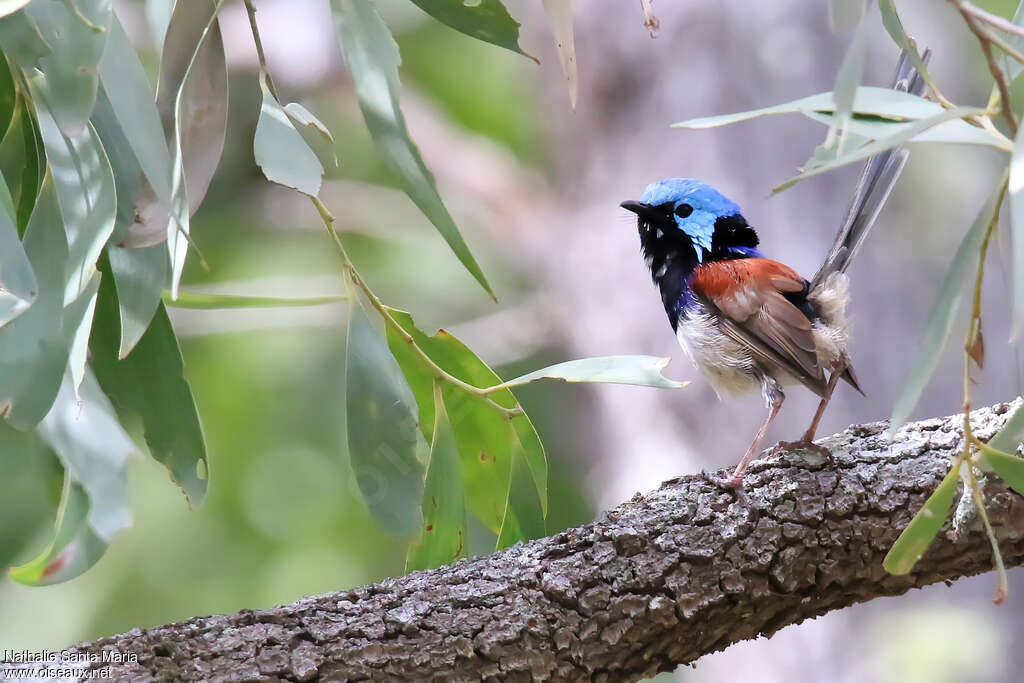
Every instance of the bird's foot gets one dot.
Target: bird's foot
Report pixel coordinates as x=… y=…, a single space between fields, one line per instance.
x=806 y=445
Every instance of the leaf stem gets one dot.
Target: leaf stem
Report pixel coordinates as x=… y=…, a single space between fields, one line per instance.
x=989 y=18
x=972 y=17
x=328 y=220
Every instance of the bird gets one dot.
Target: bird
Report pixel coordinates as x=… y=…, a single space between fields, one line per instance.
x=746 y=321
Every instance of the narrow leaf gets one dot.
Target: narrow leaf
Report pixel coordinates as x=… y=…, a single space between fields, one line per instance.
x=1011 y=66
x=212 y=302
x=372 y=58
x=940 y=320
x=956 y=131
x=443 y=537
x=847 y=81
x=486 y=20
x=1010 y=468
x=76 y=35
x=18 y=288
x=88 y=439
x=84 y=182
x=559 y=14
x=883 y=102
x=75 y=546
x=33 y=348
x=150 y=383
x=893 y=25
x=1009 y=438
x=924 y=527
x=643 y=371
x=281 y=152
x=381 y=424
x=1016 y=205
x=879 y=146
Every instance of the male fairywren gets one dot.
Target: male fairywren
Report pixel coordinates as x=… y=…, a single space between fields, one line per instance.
x=746 y=321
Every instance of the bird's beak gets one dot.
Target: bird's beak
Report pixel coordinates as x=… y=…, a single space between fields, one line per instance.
x=639 y=208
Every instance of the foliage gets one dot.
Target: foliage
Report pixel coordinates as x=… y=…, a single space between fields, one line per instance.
x=100 y=177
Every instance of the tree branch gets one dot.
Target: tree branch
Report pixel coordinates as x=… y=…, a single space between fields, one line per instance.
x=657 y=582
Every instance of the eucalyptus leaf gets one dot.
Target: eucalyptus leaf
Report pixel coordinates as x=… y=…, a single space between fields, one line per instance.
x=212 y=302
x=1009 y=438
x=1016 y=205
x=868 y=100
x=33 y=348
x=956 y=131
x=559 y=13
x=75 y=546
x=77 y=324
x=851 y=71
x=314 y=132
x=76 y=34
x=1010 y=468
x=22 y=40
x=381 y=424
x=280 y=151
x=486 y=20
x=642 y=371
x=443 y=536
x=893 y=25
x=84 y=432
x=18 y=287
x=84 y=182
x=878 y=146
x=371 y=55
x=150 y=383
x=8 y=95
x=192 y=99
x=1011 y=66
x=940 y=320
x=492 y=447
x=924 y=527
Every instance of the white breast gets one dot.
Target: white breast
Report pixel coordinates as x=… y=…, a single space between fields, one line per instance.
x=728 y=366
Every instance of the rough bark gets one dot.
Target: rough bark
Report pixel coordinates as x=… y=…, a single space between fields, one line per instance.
x=657 y=582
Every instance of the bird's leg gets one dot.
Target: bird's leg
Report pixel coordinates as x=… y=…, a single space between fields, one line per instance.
x=832 y=381
x=775 y=397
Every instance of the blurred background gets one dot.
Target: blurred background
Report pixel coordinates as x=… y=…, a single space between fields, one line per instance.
x=535 y=188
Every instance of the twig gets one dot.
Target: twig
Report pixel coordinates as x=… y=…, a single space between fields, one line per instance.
x=991 y=19
x=985 y=38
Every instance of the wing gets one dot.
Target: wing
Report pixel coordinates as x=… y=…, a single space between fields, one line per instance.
x=749 y=295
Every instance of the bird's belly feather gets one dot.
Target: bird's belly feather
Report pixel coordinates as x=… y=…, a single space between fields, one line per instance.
x=727 y=365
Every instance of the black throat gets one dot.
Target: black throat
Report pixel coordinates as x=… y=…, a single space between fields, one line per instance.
x=671 y=255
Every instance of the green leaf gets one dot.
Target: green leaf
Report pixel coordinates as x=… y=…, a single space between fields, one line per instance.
x=314 y=132
x=1010 y=468
x=21 y=39
x=1009 y=438
x=212 y=302
x=158 y=15
x=8 y=95
x=11 y=6
x=443 y=537
x=84 y=182
x=1011 y=66
x=642 y=371
x=20 y=157
x=883 y=102
x=878 y=146
x=77 y=325
x=893 y=25
x=76 y=34
x=281 y=152
x=486 y=20
x=845 y=15
x=372 y=58
x=924 y=527
x=559 y=13
x=150 y=383
x=847 y=80
x=84 y=432
x=381 y=425
x=75 y=546
x=956 y=131
x=33 y=348
x=940 y=319
x=490 y=451
x=1016 y=205
x=18 y=288
x=131 y=102
x=192 y=99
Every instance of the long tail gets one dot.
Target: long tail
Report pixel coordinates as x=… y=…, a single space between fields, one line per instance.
x=874 y=186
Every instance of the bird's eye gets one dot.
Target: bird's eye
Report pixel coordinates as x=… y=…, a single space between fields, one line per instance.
x=683 y=210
